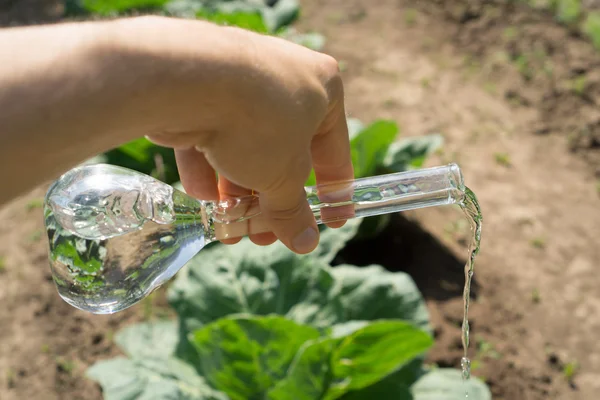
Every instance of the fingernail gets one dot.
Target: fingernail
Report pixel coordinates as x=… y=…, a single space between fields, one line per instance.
x=337 y=195
x=306 y=241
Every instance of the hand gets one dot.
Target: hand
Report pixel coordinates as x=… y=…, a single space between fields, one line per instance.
x=278 y=112
x=257 y=110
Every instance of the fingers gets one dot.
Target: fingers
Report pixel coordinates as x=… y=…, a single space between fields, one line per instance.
x=289 y=214
x=333 y=163
x=197 y=176
x=228 y=189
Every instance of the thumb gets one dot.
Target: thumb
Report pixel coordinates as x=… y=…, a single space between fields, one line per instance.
x=290 y=218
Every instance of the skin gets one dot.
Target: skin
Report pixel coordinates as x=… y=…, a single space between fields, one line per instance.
x=257 y=110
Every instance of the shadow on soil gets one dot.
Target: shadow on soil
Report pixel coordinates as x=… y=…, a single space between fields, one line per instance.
x=405 y=246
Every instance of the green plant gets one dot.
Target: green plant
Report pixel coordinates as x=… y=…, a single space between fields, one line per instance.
x=67 y=366
x=36 y=236
x=535 y=296
x=591 y=28
x=265 y=323
x=524 y=67
x=2 y=264
x=35 y=203
x=502 y=159
x=579 y=85
x=567 y=11
x=538 y=242
x=410 y=16
x=570 y=369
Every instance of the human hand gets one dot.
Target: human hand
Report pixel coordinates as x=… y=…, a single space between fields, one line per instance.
x=258 y=110
x=276 y=109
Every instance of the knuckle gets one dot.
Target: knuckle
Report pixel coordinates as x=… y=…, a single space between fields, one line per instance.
x=331 y=79
x=284 y=214
x=329 y=66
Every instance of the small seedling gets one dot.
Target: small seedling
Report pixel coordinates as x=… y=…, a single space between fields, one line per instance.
x=523 y=66
x=410 y=16
x=35 y=236
x=567 y=11
x=579 y=85
x=475 y=365
x=65 y=365
x=502 y=159
x=35 y=203
x=45 y=348
x=535 y=296
x=591 y=27
x=2 y=264
x=570 y=369
x=538 y=243
x=10 y=377
x=426 y=83
x=487 y=350
x=343 y=66
x=598 y=187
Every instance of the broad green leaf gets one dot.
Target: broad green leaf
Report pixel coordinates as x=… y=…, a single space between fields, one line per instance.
x=391 y=389
x=149 y=339
x=140 y=150
x=370 y=145
x=114 y=7
x=151 y=379
x=372 y=353
x=249 y=280
x=355 y=126
x=395 y=386
x=308 y=376
x=447 y=384
x=371 y=292
x=347 y=328
x=246 y=278
x=144 y=156
x=243 y=19
x=244 y=356
x=330 y=367
x=281 y=14
x=411 y=152
x=312 y=179
x=183 y=8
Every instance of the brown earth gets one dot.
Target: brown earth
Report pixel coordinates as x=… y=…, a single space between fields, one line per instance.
x=499 y=82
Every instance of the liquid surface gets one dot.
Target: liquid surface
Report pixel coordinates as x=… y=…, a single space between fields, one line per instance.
x=470 y=207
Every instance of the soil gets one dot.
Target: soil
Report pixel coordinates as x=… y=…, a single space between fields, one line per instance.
x=502 y=84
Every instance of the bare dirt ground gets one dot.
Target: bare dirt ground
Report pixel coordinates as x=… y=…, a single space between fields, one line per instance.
x=497 y=81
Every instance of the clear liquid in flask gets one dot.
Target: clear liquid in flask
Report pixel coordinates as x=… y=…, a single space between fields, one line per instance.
x=112 y=255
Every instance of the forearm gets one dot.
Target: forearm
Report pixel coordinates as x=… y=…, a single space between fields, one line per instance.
x=69 y=92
